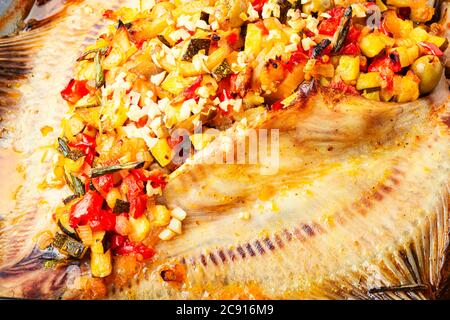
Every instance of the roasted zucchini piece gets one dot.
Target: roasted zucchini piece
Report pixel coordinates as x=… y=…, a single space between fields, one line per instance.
x=194 y=47
x=69 y=246
x=121 y=207
x=222 y=71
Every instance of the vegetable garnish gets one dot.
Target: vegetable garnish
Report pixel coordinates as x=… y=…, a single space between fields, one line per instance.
x=177 y=66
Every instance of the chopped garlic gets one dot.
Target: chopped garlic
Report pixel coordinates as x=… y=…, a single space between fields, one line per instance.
x=307 y=43
x=179 y=34
x=166 y=234
x=175 y=225
x=179 y=214
x=157 y=79
x=144 y=133
x=186 y=21
x=252 y=14
x=202 y=25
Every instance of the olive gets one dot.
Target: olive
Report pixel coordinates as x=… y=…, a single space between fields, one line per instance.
x=429 y=70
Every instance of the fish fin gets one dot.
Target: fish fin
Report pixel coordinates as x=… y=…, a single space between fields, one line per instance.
x=35 y=65
x=29 y=279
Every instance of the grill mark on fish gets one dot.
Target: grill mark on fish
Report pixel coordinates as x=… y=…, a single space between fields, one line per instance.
x=279 y=241
x=203 y=260
x=308 y=230
x=250 y=250
x=259 y=247
x=241 y=252
x=222 y=256
x=231 y=254
x=213 y=258
x=269 y=244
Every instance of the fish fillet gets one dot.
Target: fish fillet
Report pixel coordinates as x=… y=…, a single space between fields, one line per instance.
x=360 y=199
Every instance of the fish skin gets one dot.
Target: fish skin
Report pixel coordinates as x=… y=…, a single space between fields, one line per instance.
x=280 y=251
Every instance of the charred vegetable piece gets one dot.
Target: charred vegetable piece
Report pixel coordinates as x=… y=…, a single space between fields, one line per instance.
x=121 y=207
x=99 y=73
x=69 y=246
x=222 y=71
x=342 y=31
x=67 y=230
x=284 y=5
x=318 y=49
x=69 y=199
x=77 y=186
x=75 y=155
x=195 y=45
x=89 y=101
x=204 y=16
x=97 y=172
x=164 y=41
x=86 y=55
x=63 y=147
x=120 y=24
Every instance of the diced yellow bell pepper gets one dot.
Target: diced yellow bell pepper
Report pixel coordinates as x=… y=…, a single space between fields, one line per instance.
x=201 y=140
x=112 y=196
x=419 y=34
x=253 y=40
x=162 y=152
x=348 y=68
x=368 y=80
x=406 y=88
x=374 y=95
x=175 y=83
x=407 y=55
x=85 y=70
x=140 y=228
x=399 y=28
x=101 y=265
x=161 y=216
x=438 y=41
x=381 y=5
x=97 y=242
x=73 y=166
x=372 y=44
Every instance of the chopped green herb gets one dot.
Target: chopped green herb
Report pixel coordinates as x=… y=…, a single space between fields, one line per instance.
x=341 y=33
x=69 y=199
x=99 y=73
x=98 y=172
x=63 y=147
x=84 y=56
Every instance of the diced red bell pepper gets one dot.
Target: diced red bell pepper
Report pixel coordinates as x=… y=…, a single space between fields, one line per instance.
x=109 y=14
x=296 y=58
x=156 y=179
x=138 y=204
x=350 y=49
x=386 y=64
x=258 y=5
x=123 y=246
x=75 y=90
x=329 y=26
x=431 y=48
x=189 y=92
x=344 y=88
x=103 y=220
x=87 y=145
x=232 y=39
x=277 y=106
x=82 y=211
x=136 y=197
x=103 y=183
